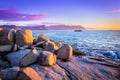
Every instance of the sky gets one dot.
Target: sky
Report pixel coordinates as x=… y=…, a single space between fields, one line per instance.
x=92 y=14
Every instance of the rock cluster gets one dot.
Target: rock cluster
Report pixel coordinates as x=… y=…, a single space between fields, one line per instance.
x=24 y=58
x=18 y=48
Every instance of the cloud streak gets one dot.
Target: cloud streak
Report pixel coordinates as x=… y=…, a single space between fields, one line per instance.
x=113 y=11
x=15 y=15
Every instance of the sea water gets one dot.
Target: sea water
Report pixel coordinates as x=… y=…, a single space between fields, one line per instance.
x=106 y=43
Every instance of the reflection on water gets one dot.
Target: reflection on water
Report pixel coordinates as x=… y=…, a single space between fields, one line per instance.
x=105 y=42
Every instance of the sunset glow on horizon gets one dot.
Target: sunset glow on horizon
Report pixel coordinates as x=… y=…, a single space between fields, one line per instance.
x=92 y=14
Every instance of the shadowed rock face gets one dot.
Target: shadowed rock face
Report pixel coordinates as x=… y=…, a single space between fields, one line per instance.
x=6 y=36
x=6 y=40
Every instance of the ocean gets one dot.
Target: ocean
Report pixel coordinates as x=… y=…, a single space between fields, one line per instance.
x=95 y=43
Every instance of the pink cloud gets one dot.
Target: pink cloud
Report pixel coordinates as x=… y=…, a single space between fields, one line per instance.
x=14 y=15
x=113 y=11
x=52 y=23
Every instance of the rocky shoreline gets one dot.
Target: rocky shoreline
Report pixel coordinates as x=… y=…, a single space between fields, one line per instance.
x=22 y=57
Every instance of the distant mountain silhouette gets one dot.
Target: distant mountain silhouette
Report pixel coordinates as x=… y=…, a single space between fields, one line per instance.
x=43 y=27
x=40 y=27
x=9 y=26
x=65 y=27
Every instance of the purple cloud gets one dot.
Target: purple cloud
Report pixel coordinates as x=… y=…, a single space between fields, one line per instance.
x=113 y=11
x=15 y=15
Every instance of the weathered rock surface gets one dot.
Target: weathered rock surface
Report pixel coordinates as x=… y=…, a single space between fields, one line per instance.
x=24 y=37
x=47 y=58
x=9 y=74
x=28 y=74
x=65 y=52
x=42 y=37
x=29 y=58
x=54 y=72
x=15 y=57
x=86 y=68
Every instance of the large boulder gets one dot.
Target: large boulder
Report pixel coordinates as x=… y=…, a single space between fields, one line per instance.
x=30 y=58
x=6 y=36
x=6 y=40
x=47 y=58
x=24 y=37
x=15 y=57
x=42 y=37
x=9 y=73
x=65 y=52
x=28 y=74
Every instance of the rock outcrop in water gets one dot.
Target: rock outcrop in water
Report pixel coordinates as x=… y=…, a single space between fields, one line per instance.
x=45 y=59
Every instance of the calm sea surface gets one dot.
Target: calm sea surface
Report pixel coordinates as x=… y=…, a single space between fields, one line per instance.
x=105 y=43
